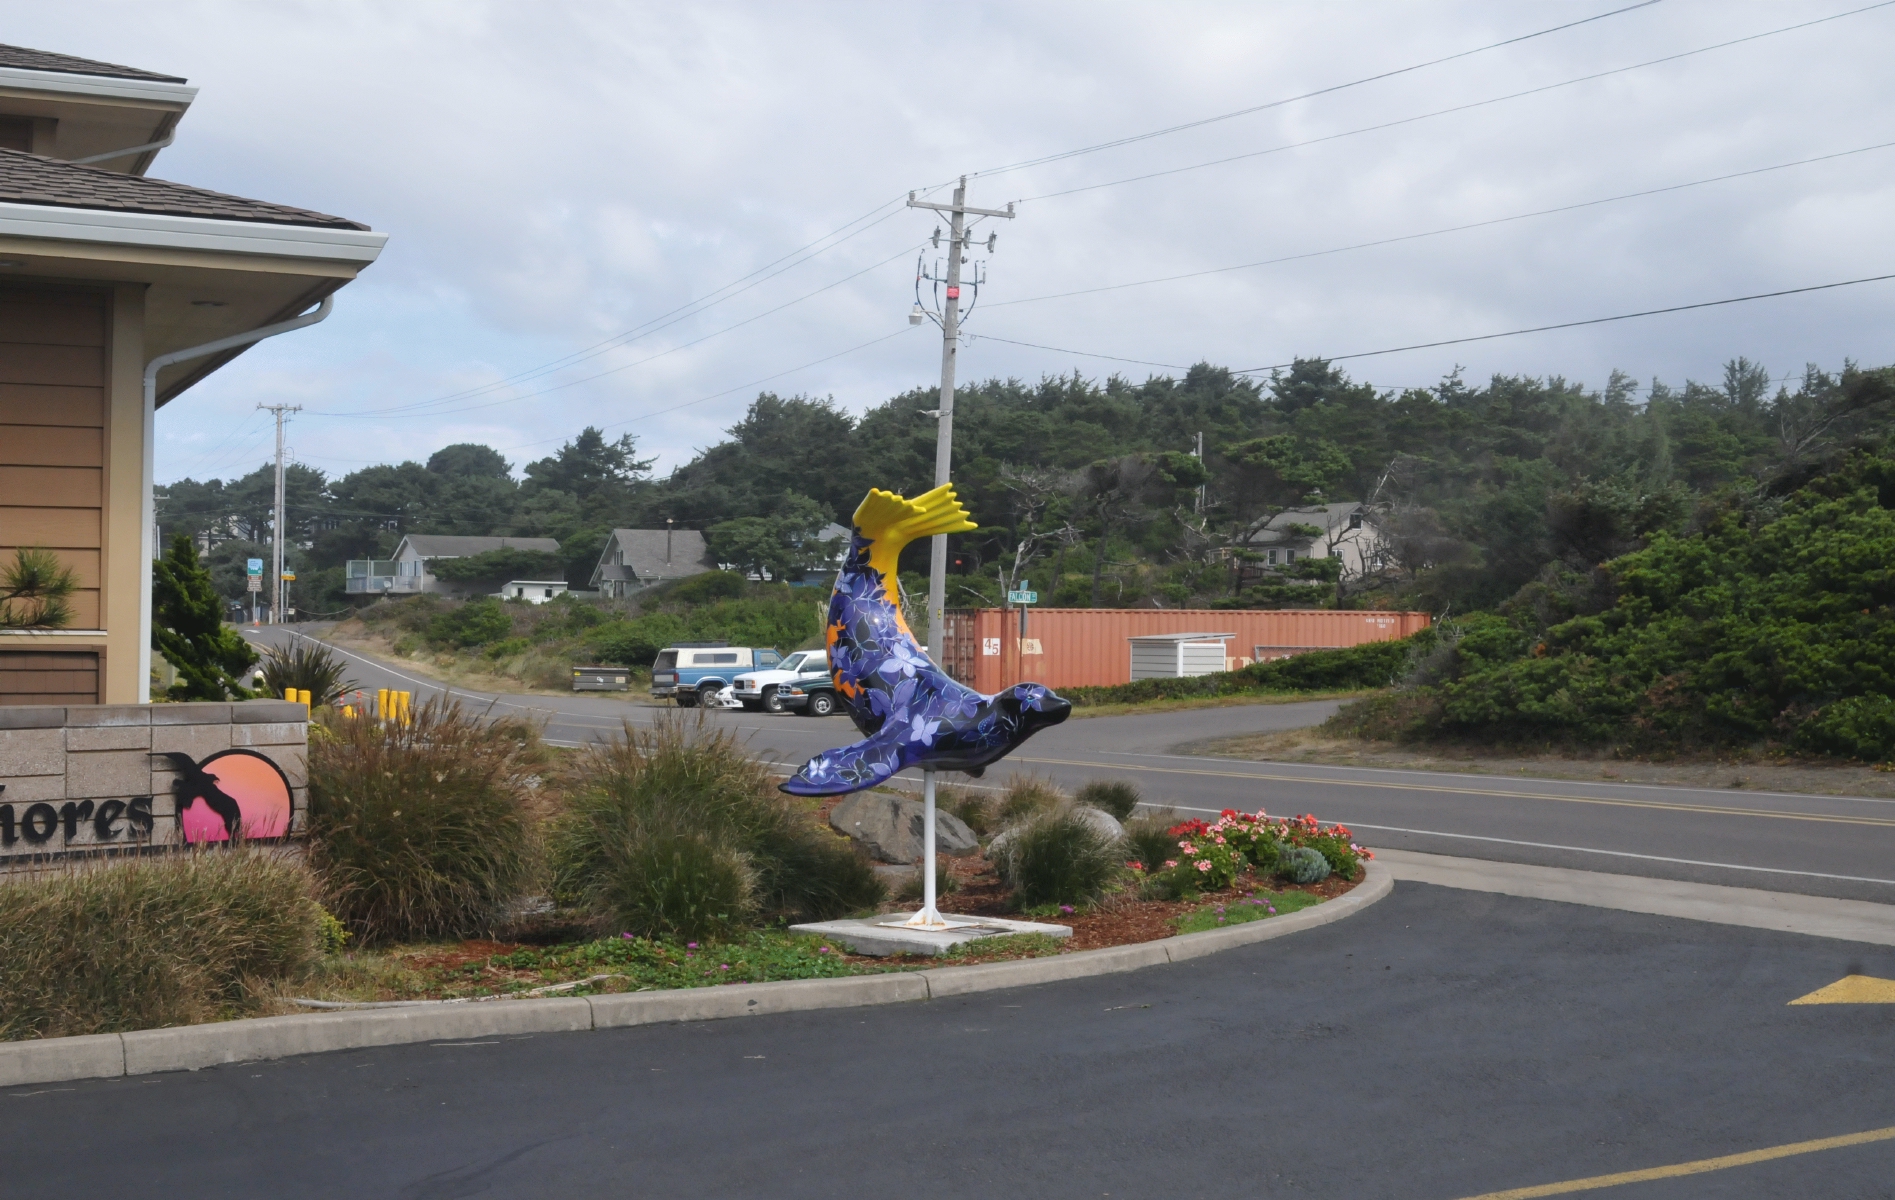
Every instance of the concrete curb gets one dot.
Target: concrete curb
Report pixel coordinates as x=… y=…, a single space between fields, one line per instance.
x=191 y=1047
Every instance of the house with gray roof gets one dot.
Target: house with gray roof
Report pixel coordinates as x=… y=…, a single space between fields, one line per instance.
x=1347 y=531
x=407 y=572
x=635 y=559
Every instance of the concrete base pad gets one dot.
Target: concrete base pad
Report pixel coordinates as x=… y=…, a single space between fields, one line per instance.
x=885 y=935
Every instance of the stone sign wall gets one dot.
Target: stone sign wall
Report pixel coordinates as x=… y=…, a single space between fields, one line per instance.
x=87 y=779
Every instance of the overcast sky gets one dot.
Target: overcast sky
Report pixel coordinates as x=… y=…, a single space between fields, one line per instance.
x=554 y=175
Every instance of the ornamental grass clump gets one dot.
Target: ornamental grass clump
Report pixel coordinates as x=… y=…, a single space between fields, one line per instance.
x=306 y=665
x=676 y=832
x=1113 y=795
x=422 y=829
x=152 y=942
x=1025 y=796
x=1059 y=857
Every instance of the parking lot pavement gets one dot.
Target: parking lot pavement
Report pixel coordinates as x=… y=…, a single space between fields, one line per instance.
x=1441 y=1044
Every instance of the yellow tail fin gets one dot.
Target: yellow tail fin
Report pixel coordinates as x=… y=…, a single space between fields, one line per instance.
x=892 y=521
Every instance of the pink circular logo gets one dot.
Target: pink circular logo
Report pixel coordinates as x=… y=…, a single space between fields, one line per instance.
x=232 y=790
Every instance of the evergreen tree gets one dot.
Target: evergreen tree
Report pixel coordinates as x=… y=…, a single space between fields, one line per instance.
x=188 y=628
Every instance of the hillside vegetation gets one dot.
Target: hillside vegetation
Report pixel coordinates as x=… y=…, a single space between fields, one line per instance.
x=1772 y=626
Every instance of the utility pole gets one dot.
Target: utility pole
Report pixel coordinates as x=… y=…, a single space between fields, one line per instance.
x=927 y=917
x=276 y=523
x=958 y=213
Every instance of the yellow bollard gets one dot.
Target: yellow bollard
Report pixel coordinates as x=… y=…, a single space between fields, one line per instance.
x=381 y=703
x=348 y=710
x=289 y=694
x=407 y=713
x=309 y=700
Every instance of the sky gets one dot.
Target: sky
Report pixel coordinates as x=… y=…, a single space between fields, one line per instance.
x=561 y=181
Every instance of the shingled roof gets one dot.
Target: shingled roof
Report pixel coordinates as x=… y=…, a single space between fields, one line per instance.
x=40 y=60
x=36 y=179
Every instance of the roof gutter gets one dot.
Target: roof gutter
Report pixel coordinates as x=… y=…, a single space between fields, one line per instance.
x=148 y=536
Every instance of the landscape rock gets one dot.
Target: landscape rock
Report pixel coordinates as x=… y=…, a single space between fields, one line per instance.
x=1098 y=818
x=891 y=828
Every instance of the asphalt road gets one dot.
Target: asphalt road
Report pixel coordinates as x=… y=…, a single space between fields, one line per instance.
x=1441 y=1044
x=1819 y=845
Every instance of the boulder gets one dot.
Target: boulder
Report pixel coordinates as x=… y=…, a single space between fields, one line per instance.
x=891 y=828
x=1098 y=818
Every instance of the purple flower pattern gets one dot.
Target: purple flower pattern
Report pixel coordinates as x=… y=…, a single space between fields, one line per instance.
x=911 y=713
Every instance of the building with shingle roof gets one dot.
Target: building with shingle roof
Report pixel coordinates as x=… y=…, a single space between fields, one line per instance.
x=635 y=559
x=119 y=292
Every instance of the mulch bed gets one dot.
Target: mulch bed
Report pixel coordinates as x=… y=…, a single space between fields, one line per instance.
x=1120 y=920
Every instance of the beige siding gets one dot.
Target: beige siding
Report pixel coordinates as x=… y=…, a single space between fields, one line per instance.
x=52 y=435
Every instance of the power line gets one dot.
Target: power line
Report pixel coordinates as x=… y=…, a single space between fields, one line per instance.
x=701 y=304
x=1483 y=337
x=1650 y=312
x=400 y=409
x=1257 y=108
x=727 y=391
x=1457 y=108
x=1409 y=237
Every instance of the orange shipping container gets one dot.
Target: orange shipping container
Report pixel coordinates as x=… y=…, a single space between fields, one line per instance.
x=1088 y=647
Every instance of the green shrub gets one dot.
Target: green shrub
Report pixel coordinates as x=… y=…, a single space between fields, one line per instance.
x=1115 y=796
x=422 y=830
x=1027 y=795
x=1149 y=840
x=1303 y=864
x=499 y=565
x=474 y=623
x=308 y=665
x=675 y=831
x=1058 y=857
x=636 y=643
x=151 y=942
x=977 y=810
x=1860 y=727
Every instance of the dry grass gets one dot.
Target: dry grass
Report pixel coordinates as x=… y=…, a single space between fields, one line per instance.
x=426 y=829
x=152 y=942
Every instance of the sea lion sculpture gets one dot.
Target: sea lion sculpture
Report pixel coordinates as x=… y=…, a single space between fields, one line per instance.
x=912 y=714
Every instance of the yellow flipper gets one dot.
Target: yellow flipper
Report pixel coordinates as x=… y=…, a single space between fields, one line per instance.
x=892 y=521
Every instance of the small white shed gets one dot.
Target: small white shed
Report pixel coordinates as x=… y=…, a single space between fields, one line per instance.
x=1174 y=655
x=533 y=591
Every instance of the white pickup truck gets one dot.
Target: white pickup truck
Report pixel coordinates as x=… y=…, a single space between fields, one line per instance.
x=757 y=689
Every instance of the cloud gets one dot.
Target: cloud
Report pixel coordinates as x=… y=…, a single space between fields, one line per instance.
x=556 y=175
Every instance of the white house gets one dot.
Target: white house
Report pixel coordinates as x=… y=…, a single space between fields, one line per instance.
x=407 y=572
x=1347 y=531
x=533 y=591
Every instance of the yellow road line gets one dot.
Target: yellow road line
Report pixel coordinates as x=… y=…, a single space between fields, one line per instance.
x=1712 y=809
x=1702 y=1165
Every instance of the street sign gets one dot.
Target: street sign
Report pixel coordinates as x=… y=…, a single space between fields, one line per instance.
x=253 y=565
x=1023 y=597
x=289 y=576
x=255 y=584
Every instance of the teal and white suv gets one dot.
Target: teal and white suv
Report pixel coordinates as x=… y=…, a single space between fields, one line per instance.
x=760 y=689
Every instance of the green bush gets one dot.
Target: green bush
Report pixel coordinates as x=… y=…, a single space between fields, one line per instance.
x=1149 y=841
x=500 y=566
x=474 y=623
x=675 y=831
x=307 y=665
x=1115 y=796
x=1371 y=665
x=1027 y=795
x=151 y=942
x=636 y=643
x=1058 y=857
x=1776 y=623
x=422 y=830
x=1303 y=864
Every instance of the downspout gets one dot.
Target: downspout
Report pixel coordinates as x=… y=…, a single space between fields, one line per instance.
x=148 y=534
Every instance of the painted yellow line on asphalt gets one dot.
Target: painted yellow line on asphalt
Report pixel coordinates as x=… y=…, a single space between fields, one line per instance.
x=1852 y=989
x=1712 y=809
x=1700 y=1167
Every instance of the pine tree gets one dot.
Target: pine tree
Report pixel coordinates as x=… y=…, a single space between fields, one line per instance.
x=188 y=628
